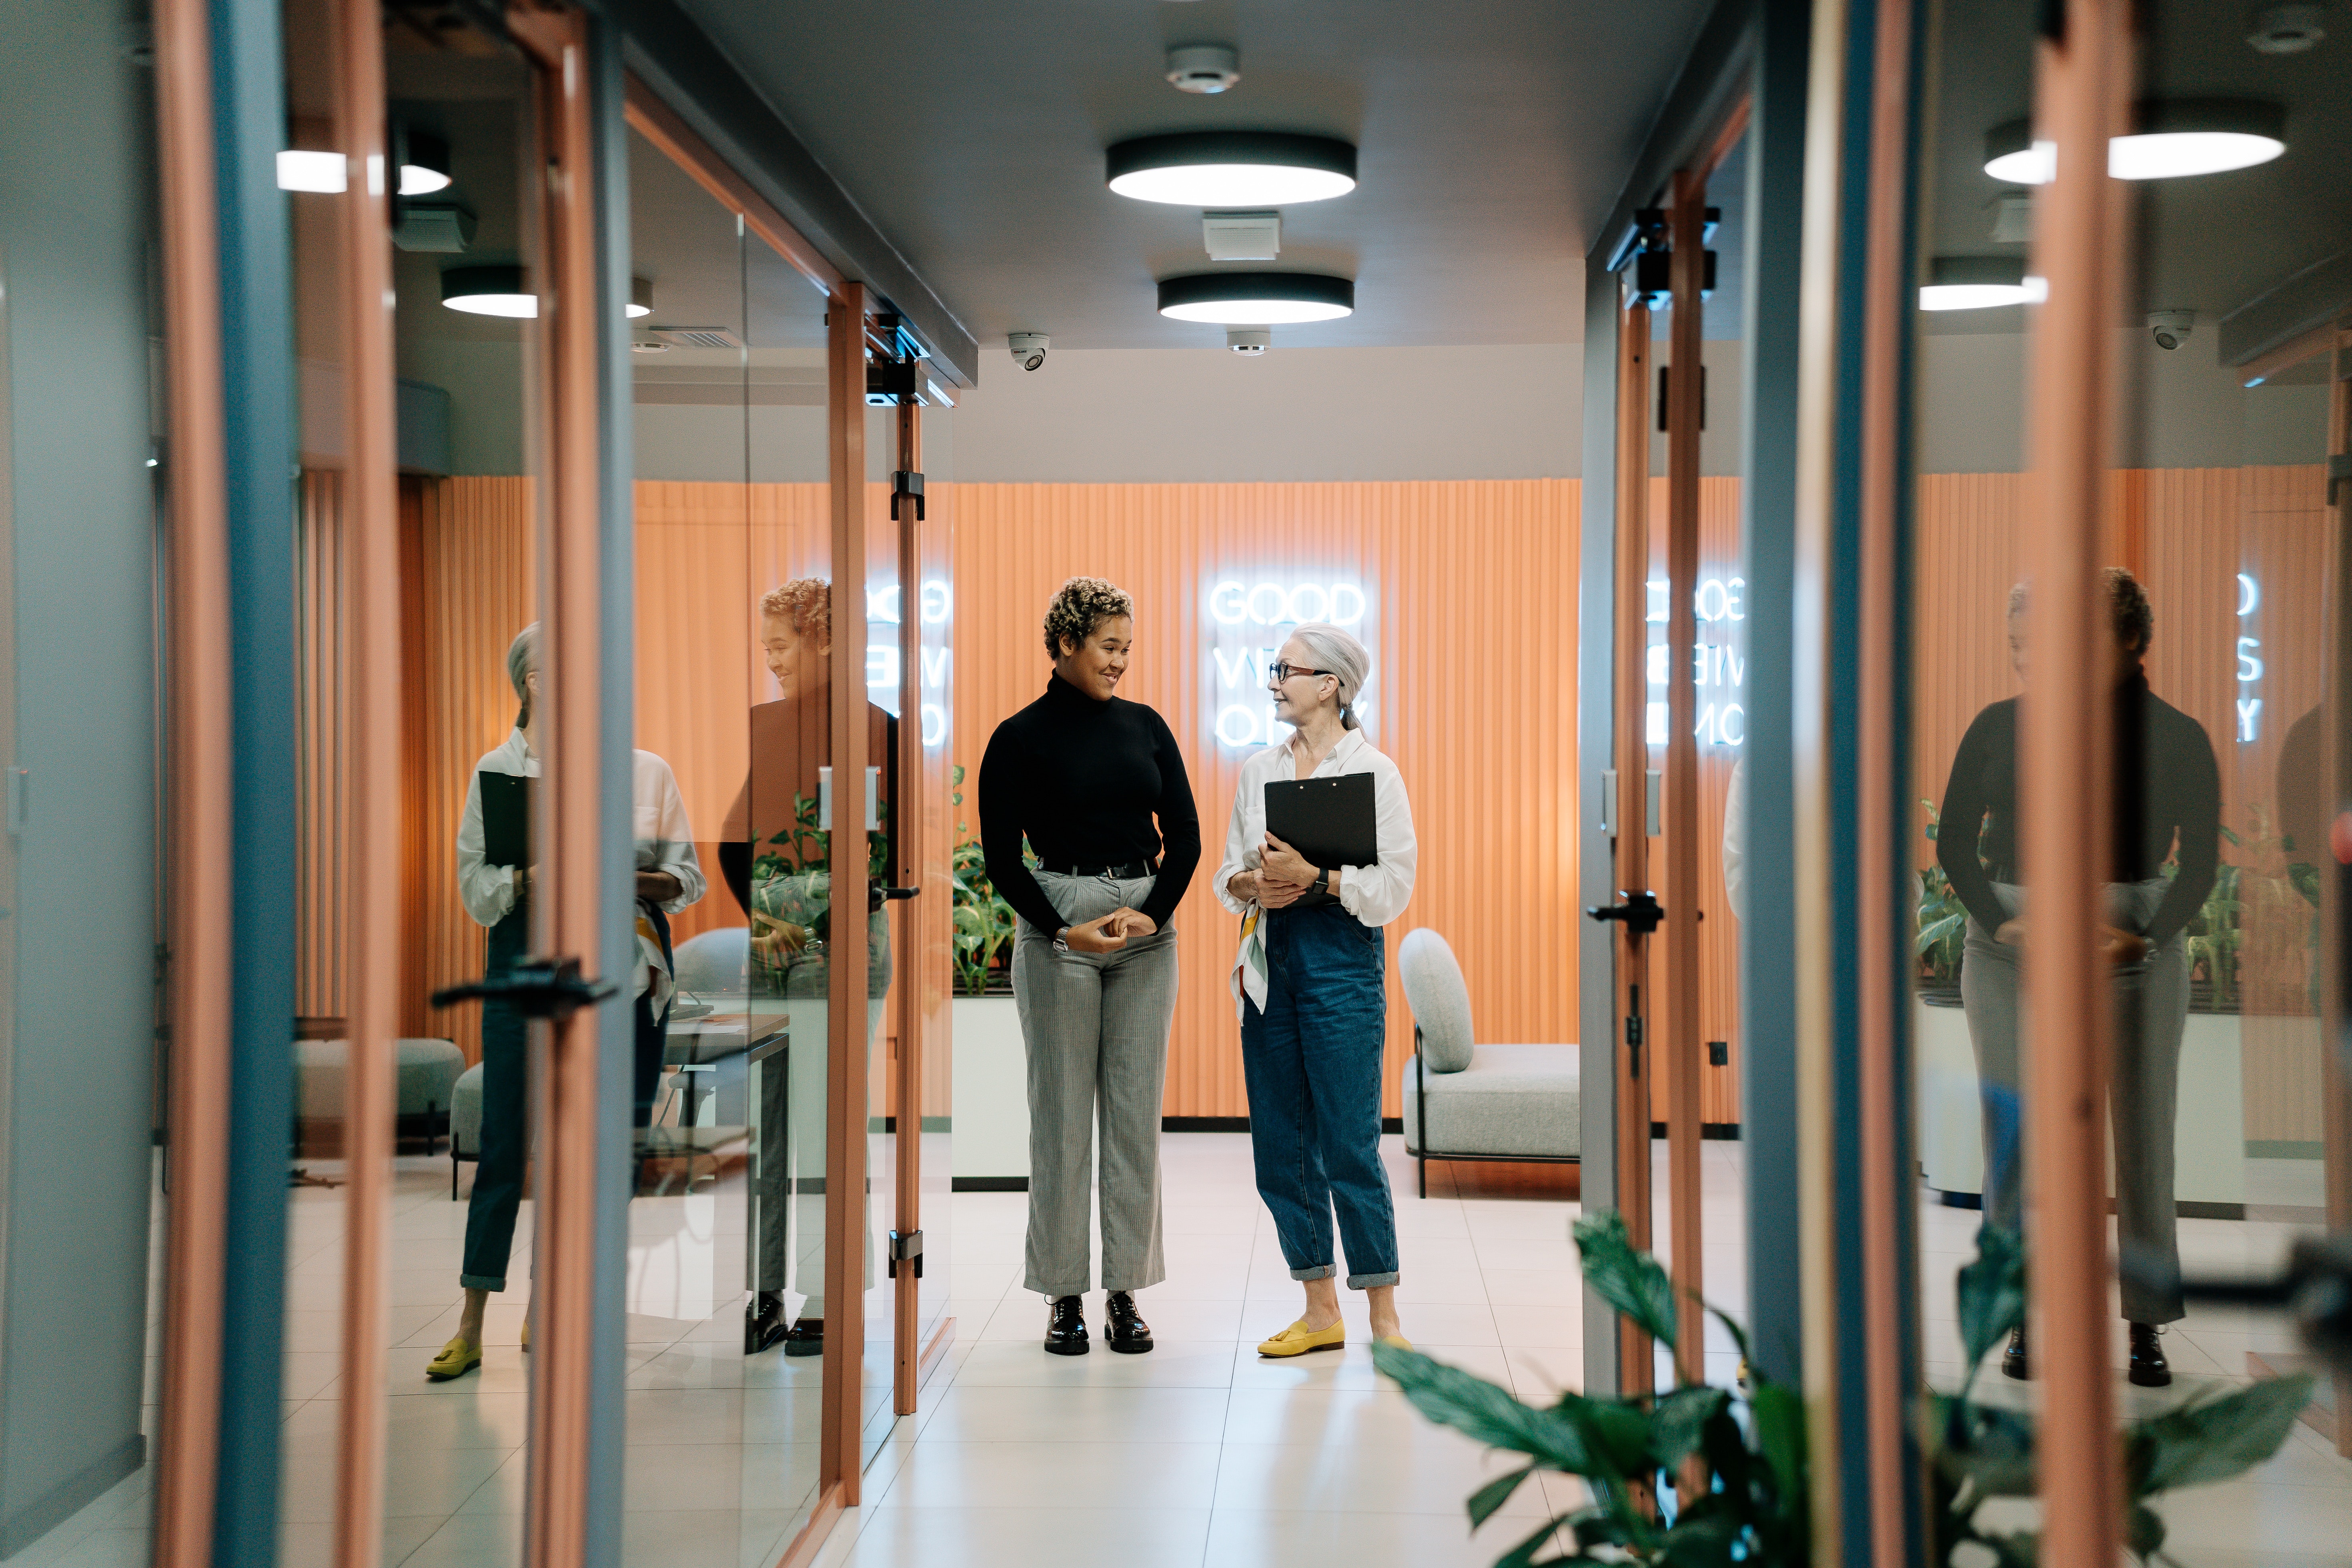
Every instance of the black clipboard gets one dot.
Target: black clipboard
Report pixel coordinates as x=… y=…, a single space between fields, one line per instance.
x=1330 y=821
x=506 y=818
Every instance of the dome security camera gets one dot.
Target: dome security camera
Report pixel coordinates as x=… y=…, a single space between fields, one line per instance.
x=2171 y=326
x=1028 y=348
x=1206 y=69
x=2287 y=29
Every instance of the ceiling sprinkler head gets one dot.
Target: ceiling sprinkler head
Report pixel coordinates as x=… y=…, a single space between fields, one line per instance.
x=2287 y=29
x=1203 y=68
x=1250 y=340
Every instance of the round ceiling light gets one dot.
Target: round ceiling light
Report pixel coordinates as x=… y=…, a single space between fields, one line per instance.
x=1979 y=283
x=2171 y=139
x=1232 y=168
x=488 y=292
x=1256 y=299
x=500 y=292
x=424 y=164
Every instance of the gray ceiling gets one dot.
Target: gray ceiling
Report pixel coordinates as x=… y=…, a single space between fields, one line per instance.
x=2207 y=243
x=1494 y=136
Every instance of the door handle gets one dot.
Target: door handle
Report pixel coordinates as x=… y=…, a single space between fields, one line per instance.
x=900 y=892
x=1639 y=911
x=536 y=988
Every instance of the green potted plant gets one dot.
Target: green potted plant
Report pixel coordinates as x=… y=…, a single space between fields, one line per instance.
x=1750 y=1443
x=985 y=924
x=1941 y=928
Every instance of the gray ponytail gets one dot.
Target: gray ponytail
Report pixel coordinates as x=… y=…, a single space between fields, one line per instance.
x=523 y=658
x=1336 y=649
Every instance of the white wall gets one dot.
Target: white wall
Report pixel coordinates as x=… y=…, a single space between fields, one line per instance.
x=1138 y=415
x=2181 y=409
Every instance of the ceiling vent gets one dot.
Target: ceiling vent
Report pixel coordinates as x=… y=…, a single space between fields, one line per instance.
x=441 y=227
x=1242 y=237
x=698 y=337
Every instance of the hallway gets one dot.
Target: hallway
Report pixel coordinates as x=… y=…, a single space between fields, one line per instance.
x=1201 y=1453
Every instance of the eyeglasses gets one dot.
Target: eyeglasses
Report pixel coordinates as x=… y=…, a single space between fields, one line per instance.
x=1279 y=673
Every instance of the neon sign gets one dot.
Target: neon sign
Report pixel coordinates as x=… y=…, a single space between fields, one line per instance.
x=1247 y=621
x=934 y=603
x=2249 y=662
x=1716 y=668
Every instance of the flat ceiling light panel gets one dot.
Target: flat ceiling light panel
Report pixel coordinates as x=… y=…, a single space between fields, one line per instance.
x=1979 y=283
x=326 y=174
x=2171 y=139
x=488 y=292
x=1256 y=299
x=1232 y=168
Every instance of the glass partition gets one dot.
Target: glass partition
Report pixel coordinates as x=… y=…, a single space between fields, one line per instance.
x=2216 y=642
x=728 y=1301
x=86 y=467
x=466 y=283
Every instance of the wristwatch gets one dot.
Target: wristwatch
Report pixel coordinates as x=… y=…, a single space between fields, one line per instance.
x=1322 y=878
x=1061 y=940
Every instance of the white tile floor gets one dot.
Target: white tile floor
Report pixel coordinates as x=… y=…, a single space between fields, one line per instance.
x=1197 y=1454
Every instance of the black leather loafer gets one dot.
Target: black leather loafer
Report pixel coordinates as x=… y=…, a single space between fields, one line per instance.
x=1126 y=1332
x=2013 y=1363
x=806 y=1337
x=763 y=1322
x=2148 y=1367
x=1066 y=1331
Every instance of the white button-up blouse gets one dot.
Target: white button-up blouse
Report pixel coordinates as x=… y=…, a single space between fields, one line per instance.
x=1374 y=894
x=664 y=841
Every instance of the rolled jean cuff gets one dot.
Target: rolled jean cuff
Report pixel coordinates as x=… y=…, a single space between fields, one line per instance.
x=1323 y=1272
x=482 y=1281
x=1371 y=1281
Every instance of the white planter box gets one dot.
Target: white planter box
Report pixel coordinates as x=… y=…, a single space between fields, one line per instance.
x=992 y=1089
x=2208 y=1134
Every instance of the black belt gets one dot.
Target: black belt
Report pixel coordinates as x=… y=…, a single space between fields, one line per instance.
x=1132 y=871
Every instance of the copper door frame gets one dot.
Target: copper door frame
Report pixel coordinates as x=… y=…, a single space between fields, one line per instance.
x=2064 y=769
x=846 y=1089
x=568 y=828
x=1679 y=1056
x=907 y=1097
x=203 y=917
x=1635 y=1369
x=372 y=523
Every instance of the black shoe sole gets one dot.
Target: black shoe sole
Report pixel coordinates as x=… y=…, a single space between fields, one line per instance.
x=2150 y=1379
x=1126 y=1347
x=2022 y=1372
x=1078 y=1347
x=793 y=1349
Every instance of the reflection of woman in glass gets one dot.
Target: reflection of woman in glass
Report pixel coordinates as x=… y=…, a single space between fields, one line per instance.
x=778 y=862
x=2166 y=787
x=496 y=892
x=1084 y=774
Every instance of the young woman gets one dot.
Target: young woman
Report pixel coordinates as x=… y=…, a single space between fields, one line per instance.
x=1097 y=786
x=1310 y=985
x=2167 y=787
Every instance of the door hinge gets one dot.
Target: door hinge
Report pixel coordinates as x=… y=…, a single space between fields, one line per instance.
x=907 y=1248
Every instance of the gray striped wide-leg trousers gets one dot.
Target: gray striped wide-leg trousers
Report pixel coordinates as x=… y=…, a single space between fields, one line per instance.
x=1096 y=1029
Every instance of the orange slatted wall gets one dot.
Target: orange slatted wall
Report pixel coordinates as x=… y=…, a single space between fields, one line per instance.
x=1472 y=626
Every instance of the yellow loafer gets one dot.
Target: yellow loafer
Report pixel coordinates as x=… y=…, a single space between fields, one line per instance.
x=458 y=1358
x=1298 y=1339
x=526 y=1336
x=1397 y=1339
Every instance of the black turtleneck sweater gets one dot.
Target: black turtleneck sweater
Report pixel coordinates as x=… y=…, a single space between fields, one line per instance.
x=2167 y=783
x=1083 y=780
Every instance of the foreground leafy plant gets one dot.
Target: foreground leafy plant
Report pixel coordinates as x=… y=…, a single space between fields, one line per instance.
x=1625 y=1449
x=1981 y=1452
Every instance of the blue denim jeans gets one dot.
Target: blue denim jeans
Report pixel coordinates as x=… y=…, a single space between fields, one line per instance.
x=1312 y=1061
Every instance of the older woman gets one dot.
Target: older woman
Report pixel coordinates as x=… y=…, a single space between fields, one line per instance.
x=496 y=883
x=1309 y=986
x=1097 y=786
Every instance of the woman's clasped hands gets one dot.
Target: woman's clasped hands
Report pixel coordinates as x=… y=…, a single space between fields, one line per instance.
x=1109 y=932
x=1283 y=875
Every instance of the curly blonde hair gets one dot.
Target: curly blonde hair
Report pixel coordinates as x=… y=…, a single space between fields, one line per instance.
x=807 y=604
x=1080 y=606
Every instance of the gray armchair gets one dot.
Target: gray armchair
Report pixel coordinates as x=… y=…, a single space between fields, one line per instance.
x=1464 y=1100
